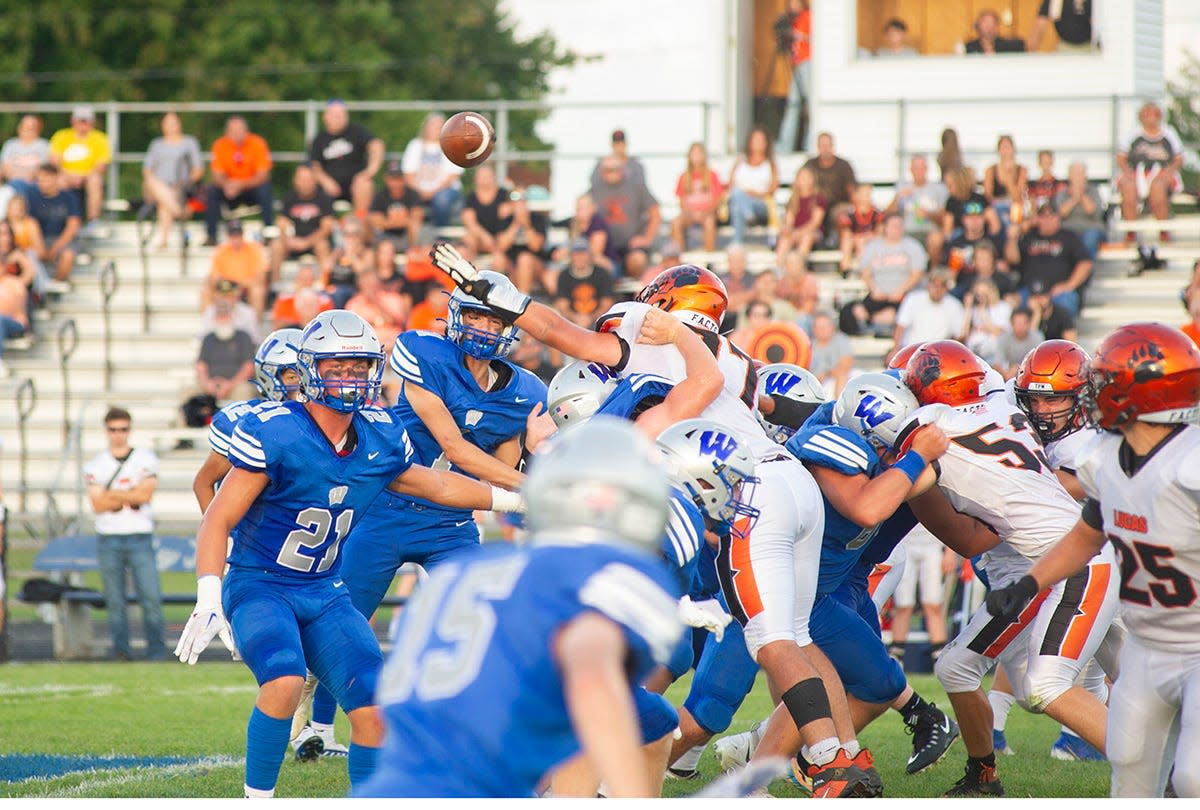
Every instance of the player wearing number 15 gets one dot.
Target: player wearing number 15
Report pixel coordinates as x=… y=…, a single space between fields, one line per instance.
x=1142 y=483
x=510 y=661
x=302 y=472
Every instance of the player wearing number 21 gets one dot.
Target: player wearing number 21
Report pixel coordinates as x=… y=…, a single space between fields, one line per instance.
x=1141 y=479
x=302 y=473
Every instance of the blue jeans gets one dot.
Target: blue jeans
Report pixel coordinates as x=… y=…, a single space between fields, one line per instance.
x=1092 y=237
x=260 y=196
x=743 y=210
x=135 y=553
x=9 y=328
x=443 y=205
x=1065 y=300
x=798 y=89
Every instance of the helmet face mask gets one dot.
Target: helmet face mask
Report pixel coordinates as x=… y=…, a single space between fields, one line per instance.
x=792 y=382
x=693 y=294
x=1146 y=372
x=875 y=406
x=1050 y=386
x=577 y=391
x=482 y=344
x=340 y=344
x=275 y=356
x=715 y=470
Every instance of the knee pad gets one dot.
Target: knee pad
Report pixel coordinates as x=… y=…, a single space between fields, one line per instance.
x=956 y=669
x=1044 y=683
x=724 y=676
x=656 y=716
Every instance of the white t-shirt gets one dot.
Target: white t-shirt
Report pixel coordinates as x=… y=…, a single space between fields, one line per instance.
x=924 y=319
x=428 y=165
x=137 y=467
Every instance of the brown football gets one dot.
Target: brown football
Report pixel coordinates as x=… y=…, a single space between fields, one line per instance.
x=467 y=139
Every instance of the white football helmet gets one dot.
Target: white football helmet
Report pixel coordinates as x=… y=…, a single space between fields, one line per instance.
x=578 y=390
x=875 y=406
x=793 y=382
x=713 y=467
x=340 y=335
x=274 y=355
x=598 y=483
x=479 y=343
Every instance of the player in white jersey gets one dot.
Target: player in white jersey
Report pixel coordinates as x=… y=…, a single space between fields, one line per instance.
x=768 y=572
x=996 y=471
x=1142 y=483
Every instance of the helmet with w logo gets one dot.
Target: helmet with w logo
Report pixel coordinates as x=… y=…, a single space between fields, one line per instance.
x=693 y=294
x=1148 y=372
x=875 y=406
x=1055 y=369
x=713 y=467
x=946 y=372
x=792 y=382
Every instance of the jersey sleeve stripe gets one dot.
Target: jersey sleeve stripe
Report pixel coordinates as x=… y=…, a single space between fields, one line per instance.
x=849 y=446
x=835 y=452
x=630 y=598
x=248 y=449
x=218 y=441
x=406 y=367
x=682 y=535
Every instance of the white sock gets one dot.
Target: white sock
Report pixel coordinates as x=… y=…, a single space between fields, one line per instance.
x=852 y=748
x=255 y=793
x=823 y=752
x=689 y=759
x=1002 y=703
x=322 y=729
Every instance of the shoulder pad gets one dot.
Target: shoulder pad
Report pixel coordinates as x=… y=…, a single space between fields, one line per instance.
x=834 y=447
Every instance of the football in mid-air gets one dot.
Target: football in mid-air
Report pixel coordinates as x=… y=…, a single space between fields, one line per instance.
x=467 y=139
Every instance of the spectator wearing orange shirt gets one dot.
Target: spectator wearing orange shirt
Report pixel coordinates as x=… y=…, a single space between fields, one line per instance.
x=386 y=311
x=306 y=296
x=699 y=191
x=242 y=262
x=241 y=168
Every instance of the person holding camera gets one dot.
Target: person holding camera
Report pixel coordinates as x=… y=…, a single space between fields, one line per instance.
x=172 y=166
x=793 y=38
x=985 y=319
x=120 y=483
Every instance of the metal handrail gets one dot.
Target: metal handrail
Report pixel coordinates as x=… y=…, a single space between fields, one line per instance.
x=72 y=451
x=109 y=281
x=68 y=341
x=26 y=401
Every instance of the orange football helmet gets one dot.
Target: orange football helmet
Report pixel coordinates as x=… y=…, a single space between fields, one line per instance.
x=1056 y=368
x=1144 y=371
x=694 y=294
x=945 y=372
x=900 y=359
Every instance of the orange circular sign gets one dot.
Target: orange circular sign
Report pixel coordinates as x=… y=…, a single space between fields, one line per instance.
x=781 y=342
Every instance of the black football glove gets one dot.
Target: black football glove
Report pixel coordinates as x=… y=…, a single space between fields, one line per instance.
x=1009 y=601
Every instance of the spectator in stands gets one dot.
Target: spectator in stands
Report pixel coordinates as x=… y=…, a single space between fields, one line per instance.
x=386 y=311
x=1072 y=22
x=121 y=482
x=529 y=251
x=963 y=194
x=989 y=41
x=922 y=203
x=1193 y=288
x=225 y=366
x=1079 y=205
x=22 y=155
x=345 y=158
x=895 y=32
x=927 y=562
x=583 y=291
x=14 y=318
x=59 y=218
x=750 y=321
x=241 y=175
x=1192 y=327
x=20 y=265
x=591 y=225
x=632 y=215
x=766 y=291
x=1046 y=187
x=487 y=217
x=986 y=319
x=1052 y=256
x=27 y=238
x=241 y=261
x=699 y=190
x=306 y=296
x=803 y=223
x=981 y=264
x=1006 y=184
x=859 y=224
x=752 y=184
x=961 y=250
x=669 y=256
x=1055 y=322
x=832 y=354
x=835 y=177
x=305 y=221
x=1012 y=346
x=172 y=166
x=227 y=298
x=799 y=288
x=929 y=314
x=350 y=260
x=83 y=153
x=431 y=174
x=620 y=151
x=950 y=157
x=396 y=211
x=1149 y=166
x=892 y=266
x=800 y=87
x=532 y=356
x=739 y=284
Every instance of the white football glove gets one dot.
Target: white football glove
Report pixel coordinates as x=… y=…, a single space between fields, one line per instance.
x=206 y=621
x=706 y=615
x=509 y=302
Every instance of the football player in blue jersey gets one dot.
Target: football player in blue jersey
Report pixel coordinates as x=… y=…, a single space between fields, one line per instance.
x=513 y=659
x=302 y=473
x=277 y=379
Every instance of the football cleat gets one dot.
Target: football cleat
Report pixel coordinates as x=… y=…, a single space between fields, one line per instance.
x=308 y=745
x=866 y=763
x=1071 y=748
x=735 y=750
x=983 y=784
x=843 y=778
x=933 y=733
x=332 y=748
x=1000 y=744
x=798 y=774
x=682 y=774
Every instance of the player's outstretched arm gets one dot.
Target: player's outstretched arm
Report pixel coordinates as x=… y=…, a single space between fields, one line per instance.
x=461 y=453
x=454 y=490
x=204 y=485
x=590 y=651
x=700 y=386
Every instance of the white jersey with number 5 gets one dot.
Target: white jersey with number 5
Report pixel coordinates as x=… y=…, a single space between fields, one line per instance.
x=995 y=470
x=1153 y=519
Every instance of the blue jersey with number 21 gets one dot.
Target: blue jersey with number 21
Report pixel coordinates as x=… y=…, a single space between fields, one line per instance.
x=296 y=525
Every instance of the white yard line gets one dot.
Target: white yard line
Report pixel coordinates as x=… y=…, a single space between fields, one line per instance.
x=125 y=776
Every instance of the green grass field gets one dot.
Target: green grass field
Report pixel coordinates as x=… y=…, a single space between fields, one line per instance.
x=198 y=715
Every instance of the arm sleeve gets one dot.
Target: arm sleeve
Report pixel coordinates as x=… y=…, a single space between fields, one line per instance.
x=1092 y=515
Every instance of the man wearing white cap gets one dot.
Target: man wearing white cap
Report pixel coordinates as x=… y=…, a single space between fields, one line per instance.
x=83 y=153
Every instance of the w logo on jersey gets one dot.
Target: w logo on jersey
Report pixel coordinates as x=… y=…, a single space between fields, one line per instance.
x=717 y=444
x=870 y=411
x=780 y=383
x=337 y=495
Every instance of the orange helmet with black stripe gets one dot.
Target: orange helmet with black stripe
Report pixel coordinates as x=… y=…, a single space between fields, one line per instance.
x=946 y=372
x=1053 y=374
x=900 y=358
x=1149 y=372
x=693 y=294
